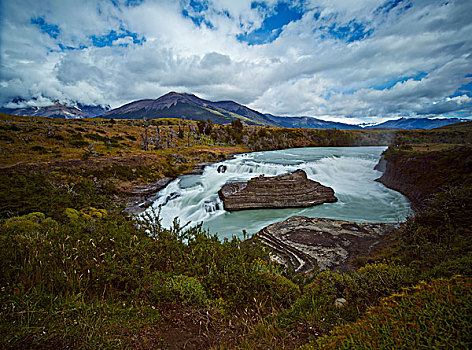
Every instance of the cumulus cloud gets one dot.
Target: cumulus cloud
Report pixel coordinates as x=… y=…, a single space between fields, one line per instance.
x=340 y=60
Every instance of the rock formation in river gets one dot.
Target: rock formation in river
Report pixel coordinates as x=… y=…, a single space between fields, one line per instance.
x=305 y=243
x=284 y=191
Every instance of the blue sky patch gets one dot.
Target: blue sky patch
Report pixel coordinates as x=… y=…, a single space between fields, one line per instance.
x=353 y=31
x=133 y=3
x=390 y=5
x=193 y=10
x=70 y=48
x=198 y=6
x=465 y=89
x=50 y=29
x=272 y=25
x=390 y=83
x=108 y=39
x=198 y=20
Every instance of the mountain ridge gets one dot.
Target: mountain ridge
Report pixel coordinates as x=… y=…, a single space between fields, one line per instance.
x=416 y=123
x=191 y=107
x=58 y=110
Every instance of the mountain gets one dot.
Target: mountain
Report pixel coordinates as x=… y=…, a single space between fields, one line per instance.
x=310 y=123
x=93 y=111
x=58 y=110
x=244 y=111
x=188 y=106
x=416 y=123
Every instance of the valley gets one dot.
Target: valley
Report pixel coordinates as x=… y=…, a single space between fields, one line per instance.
x=70 y=248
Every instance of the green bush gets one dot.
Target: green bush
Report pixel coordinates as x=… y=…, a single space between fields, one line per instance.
x=441 y=232
x=30 y=224
x=360 y=289
x=29 y=191
x=39 y=149
x=450 y=268
x=433 y=315
x=181 y=288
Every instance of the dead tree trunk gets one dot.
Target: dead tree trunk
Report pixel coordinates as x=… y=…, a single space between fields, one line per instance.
x=145 y=136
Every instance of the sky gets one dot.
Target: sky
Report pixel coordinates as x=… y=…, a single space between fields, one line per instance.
x=342 y=60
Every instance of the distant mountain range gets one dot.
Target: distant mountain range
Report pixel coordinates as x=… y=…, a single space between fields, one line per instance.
x=416 y=123
x=189 y=106
x=58 y=110
x=310 y=123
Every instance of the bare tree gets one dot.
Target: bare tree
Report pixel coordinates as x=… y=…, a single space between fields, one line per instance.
x=90 y=149
x=156 y=140
x=145 y=135
x=50 y=131
x=172 y=137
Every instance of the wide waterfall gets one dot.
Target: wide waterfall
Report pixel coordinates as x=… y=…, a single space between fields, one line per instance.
x=348 y=170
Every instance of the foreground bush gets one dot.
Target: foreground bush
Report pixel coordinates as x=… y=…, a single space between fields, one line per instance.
x=433 y=315
x=334 y=297
x=84 y=277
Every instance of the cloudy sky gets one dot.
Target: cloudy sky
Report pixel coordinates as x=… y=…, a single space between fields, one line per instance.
x=343 y=60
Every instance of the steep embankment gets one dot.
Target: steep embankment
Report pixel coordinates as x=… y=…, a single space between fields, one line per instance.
x=418 y=175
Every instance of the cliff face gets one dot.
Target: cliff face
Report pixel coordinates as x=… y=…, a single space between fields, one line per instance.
x=400 y=175
x=284 y=191
x=419 y=176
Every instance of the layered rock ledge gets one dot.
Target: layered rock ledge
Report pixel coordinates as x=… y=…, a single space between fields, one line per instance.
x=293 y=190
x=143 y=196
x=306 y=243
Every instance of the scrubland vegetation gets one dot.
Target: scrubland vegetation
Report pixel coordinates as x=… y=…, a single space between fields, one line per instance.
x=78 y=272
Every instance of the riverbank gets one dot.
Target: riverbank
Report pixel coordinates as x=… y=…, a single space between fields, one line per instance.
x=404 y=171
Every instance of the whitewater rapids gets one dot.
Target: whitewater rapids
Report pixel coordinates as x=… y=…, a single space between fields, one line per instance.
x=348 y=170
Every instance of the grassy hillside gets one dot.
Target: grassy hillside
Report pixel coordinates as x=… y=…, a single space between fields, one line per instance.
x=77 y=272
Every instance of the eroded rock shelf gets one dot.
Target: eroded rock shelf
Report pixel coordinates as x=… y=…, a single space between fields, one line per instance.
x=307 y=243
x=293 y=190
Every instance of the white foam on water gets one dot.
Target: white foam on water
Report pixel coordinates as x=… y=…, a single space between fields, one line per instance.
x=348 y=170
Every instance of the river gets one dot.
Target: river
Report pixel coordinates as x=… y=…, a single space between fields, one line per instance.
x=348 y=170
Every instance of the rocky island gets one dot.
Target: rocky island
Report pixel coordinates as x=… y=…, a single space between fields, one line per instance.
x=306 y=243
x=293 y=190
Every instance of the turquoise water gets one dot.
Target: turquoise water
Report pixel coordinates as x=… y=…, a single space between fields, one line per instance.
x=348 y=170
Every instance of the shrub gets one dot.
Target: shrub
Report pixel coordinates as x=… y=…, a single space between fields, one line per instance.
x=450 y=268
x=428 y=316
x=181 y=288
x=30 y=224
x=440 y=233
x=79 y=143
x=361 y=289
x=39 y=149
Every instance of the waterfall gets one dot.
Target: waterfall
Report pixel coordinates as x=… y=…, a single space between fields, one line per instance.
x=348 y=170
